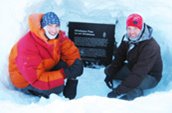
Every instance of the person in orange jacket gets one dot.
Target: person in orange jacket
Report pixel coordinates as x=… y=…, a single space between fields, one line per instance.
x=43 y=58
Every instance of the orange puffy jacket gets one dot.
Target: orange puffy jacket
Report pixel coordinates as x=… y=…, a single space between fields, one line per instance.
x=33 y=56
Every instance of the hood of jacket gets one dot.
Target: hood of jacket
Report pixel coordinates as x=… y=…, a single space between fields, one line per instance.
x=35 y=26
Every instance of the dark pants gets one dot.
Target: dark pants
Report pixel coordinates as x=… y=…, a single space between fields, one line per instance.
x=147 y=83
x=45 y=93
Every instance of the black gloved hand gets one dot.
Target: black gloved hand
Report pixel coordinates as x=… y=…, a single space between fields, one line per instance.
x=70 y=89
x=108 y=79
x=113 y=94
x=61 y=64
x=75 y=70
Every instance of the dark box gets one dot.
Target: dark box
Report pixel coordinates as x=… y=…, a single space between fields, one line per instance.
x=95 y=42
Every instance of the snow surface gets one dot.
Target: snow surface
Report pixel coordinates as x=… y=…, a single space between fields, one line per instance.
x=92 y=91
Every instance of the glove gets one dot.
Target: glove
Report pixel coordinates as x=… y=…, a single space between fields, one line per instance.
x=70 y=89
x=108 y=79
x=124 y=97
x=113 y=94
x=75 y=70
x=61 y=64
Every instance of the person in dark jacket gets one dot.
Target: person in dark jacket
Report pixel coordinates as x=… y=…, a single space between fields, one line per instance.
x=137 y=62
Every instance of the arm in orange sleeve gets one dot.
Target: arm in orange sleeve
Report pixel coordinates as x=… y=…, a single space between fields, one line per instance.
x=71 y=55
x=69 y=51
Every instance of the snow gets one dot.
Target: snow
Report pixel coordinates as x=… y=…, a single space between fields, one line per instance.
x=92 y=91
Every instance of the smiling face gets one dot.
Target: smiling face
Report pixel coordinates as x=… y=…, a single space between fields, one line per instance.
x=133 y=32
x=53 y=29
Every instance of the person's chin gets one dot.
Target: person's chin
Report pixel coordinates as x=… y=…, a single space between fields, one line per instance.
x=52 y=34
x=133 y=37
